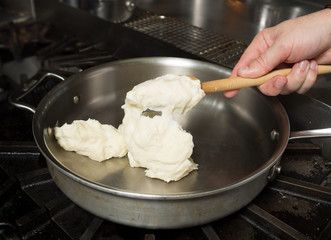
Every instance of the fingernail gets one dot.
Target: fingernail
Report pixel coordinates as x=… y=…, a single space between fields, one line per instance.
x=313 y=65
x=303 y=65
x=280 y=83
x=243 y=69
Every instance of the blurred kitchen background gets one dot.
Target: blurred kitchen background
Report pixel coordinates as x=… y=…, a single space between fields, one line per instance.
x=240 y=19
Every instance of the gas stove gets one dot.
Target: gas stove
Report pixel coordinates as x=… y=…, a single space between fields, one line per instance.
x=295 y=205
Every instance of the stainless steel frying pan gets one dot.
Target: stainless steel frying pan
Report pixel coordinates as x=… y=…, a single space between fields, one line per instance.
x=238 y=146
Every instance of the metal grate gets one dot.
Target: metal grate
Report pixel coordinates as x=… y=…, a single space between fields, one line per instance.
x=204 y=43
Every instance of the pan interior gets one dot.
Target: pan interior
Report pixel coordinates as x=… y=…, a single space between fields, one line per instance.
x=231 y=136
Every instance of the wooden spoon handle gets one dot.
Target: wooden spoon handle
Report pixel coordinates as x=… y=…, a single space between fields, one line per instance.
x=240 y=82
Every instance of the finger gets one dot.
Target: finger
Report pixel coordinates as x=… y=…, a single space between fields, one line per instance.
x=296 y=77
x=255 y=49
x=265 y=62
x=274 y=86
x=231 y=93
x=310 y=79
x=324 y=58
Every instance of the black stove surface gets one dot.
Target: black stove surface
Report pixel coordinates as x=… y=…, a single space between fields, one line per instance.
x=295 y=205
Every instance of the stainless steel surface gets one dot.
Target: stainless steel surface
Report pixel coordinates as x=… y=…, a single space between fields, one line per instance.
x=15 y=97
x=311 y=133
x=161 y=213
x=208 y=45
x=239 y=19
x=112 y=10
x=231 y=173
x=16 y=10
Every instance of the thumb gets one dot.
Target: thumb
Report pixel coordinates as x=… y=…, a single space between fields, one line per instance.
x=263 y=64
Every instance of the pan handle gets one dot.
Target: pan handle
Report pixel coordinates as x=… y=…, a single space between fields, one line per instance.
x=317 y=133
x=15 y=98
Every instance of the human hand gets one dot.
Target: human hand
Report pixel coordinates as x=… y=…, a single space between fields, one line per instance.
x=303 y=43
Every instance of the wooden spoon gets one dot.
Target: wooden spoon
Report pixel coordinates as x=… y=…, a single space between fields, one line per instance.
x=240 y=82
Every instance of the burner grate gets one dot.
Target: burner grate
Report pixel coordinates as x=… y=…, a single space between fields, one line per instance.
x=32 y=207
x=204 y=43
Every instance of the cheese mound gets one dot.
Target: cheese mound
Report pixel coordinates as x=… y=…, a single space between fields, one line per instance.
x=92 y=139
x=159 y=143
x=168 y=93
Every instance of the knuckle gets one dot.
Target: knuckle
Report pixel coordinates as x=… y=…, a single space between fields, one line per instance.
x=269 y=90
x=262 y=62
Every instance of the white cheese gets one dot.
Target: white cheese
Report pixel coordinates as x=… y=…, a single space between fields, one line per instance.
x=159 y=144
x=92 y=139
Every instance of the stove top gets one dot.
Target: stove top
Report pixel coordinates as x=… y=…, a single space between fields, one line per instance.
x=295 y=205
